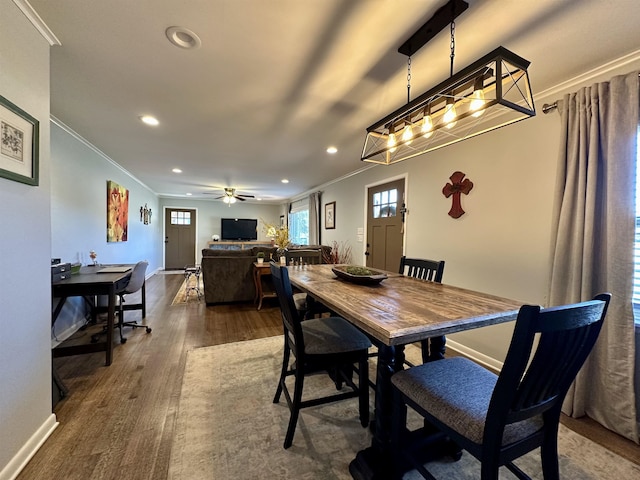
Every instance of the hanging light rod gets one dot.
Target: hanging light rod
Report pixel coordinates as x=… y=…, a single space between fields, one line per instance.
x=492 y=92
x=441 y=19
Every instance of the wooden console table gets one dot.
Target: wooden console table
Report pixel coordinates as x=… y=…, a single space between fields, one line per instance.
x=227 y=245
x=260 y=270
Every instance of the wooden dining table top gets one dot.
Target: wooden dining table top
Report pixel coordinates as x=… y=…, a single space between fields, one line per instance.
x=400 y=309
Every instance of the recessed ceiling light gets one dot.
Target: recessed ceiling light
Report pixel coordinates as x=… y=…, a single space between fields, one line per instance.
x=149 y=120
x=332 y=150
x=284 y=180
x=183 y=37
x=189 y=194
x=176 y=170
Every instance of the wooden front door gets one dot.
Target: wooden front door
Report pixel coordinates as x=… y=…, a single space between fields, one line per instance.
x=385 y=233
x=180 y=238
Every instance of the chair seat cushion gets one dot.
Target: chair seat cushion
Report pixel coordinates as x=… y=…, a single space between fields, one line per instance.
x=457 y=392
x=332 y=335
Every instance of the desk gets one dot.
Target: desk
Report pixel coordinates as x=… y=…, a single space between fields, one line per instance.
x=90 y=283
x=398 y=311
x=260 y=270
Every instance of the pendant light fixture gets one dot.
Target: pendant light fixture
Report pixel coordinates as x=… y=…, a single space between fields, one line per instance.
x=492 y=92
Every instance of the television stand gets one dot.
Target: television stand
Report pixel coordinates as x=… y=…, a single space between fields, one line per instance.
x=238 y=245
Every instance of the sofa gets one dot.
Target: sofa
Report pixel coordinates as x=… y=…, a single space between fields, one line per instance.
x=228 y=274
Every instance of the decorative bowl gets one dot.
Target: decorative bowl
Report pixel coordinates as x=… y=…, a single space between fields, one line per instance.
x=359 y=274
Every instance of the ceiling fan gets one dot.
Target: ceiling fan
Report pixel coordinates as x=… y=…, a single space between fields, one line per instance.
x=230 y=196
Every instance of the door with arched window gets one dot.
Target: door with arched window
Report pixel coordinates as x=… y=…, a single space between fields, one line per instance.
x=385 y=206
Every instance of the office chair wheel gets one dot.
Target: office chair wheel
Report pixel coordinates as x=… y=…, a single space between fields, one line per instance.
x=148 y=329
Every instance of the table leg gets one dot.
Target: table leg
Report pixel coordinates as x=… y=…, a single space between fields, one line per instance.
x=111 y=310
x=375 y=462
x=144 y=299
x=256 y=282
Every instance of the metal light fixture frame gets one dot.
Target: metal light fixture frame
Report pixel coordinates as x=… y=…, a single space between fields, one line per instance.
x=507 y=99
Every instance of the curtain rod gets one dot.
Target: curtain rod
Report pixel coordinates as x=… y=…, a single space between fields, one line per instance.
x=548 y=107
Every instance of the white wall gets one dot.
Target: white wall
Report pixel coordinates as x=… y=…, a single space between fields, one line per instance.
x=79 y=206
x=209 y=213
x=79 y=174
x=25 y=275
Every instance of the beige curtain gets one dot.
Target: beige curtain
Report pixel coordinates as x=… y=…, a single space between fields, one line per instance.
x=314 y=218
x=592 y=251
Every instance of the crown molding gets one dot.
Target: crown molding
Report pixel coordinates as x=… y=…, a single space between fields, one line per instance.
x=37 y=22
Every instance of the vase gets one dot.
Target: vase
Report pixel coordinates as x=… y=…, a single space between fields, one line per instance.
x=260 y=260
x=281 y=255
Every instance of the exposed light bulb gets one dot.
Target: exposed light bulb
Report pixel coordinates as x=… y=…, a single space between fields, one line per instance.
x=450 y=114
x=477 y=102
x=391 y=143
x=427 y=126
x=407 y=134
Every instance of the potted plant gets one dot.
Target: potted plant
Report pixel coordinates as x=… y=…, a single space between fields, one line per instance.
x=260 y=256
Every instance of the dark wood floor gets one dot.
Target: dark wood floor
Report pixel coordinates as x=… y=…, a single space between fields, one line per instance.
x=118 y=421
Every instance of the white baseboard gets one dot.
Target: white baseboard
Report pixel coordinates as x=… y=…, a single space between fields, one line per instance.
x=29 y=449
x=476 y=356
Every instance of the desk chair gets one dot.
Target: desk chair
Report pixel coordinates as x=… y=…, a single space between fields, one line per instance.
x=306 y=305
x=329 y=344
x=432 y=270
x=136 y=281
x=499 y=418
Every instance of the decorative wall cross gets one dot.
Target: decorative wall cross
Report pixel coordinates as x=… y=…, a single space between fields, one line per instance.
x=454 y=189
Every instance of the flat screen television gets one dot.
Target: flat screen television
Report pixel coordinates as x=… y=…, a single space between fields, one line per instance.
x=239 y=229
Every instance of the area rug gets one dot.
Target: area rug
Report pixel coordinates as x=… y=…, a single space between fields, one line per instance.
x=228 y=427
x=182 y=298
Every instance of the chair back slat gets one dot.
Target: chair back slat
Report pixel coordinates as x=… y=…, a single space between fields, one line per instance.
x=431 y=270
x=310 y=256
x=567 y=335
x=290 y=318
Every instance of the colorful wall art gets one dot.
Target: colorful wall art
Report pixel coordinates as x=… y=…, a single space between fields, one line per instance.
x=117 y=212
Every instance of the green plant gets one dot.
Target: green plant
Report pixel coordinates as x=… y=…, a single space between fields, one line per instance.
x=260 y=255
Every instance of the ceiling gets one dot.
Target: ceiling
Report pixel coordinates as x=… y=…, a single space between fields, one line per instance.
x=276 y=82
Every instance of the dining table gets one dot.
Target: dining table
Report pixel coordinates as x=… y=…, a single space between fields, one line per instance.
x=394 y=312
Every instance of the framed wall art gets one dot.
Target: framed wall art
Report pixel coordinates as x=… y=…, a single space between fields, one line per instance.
x=330 y=215
x=117 y=212
x=19 y=146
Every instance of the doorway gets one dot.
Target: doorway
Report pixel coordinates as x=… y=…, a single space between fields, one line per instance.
x=180 y=238
x=385 y=220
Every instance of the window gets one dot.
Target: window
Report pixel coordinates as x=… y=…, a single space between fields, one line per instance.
x=180 y=218
x=299 y=222
x=385 y=204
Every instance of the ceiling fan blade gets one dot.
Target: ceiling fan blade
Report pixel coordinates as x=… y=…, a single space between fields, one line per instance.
x=245 y=196
x=239 y=198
